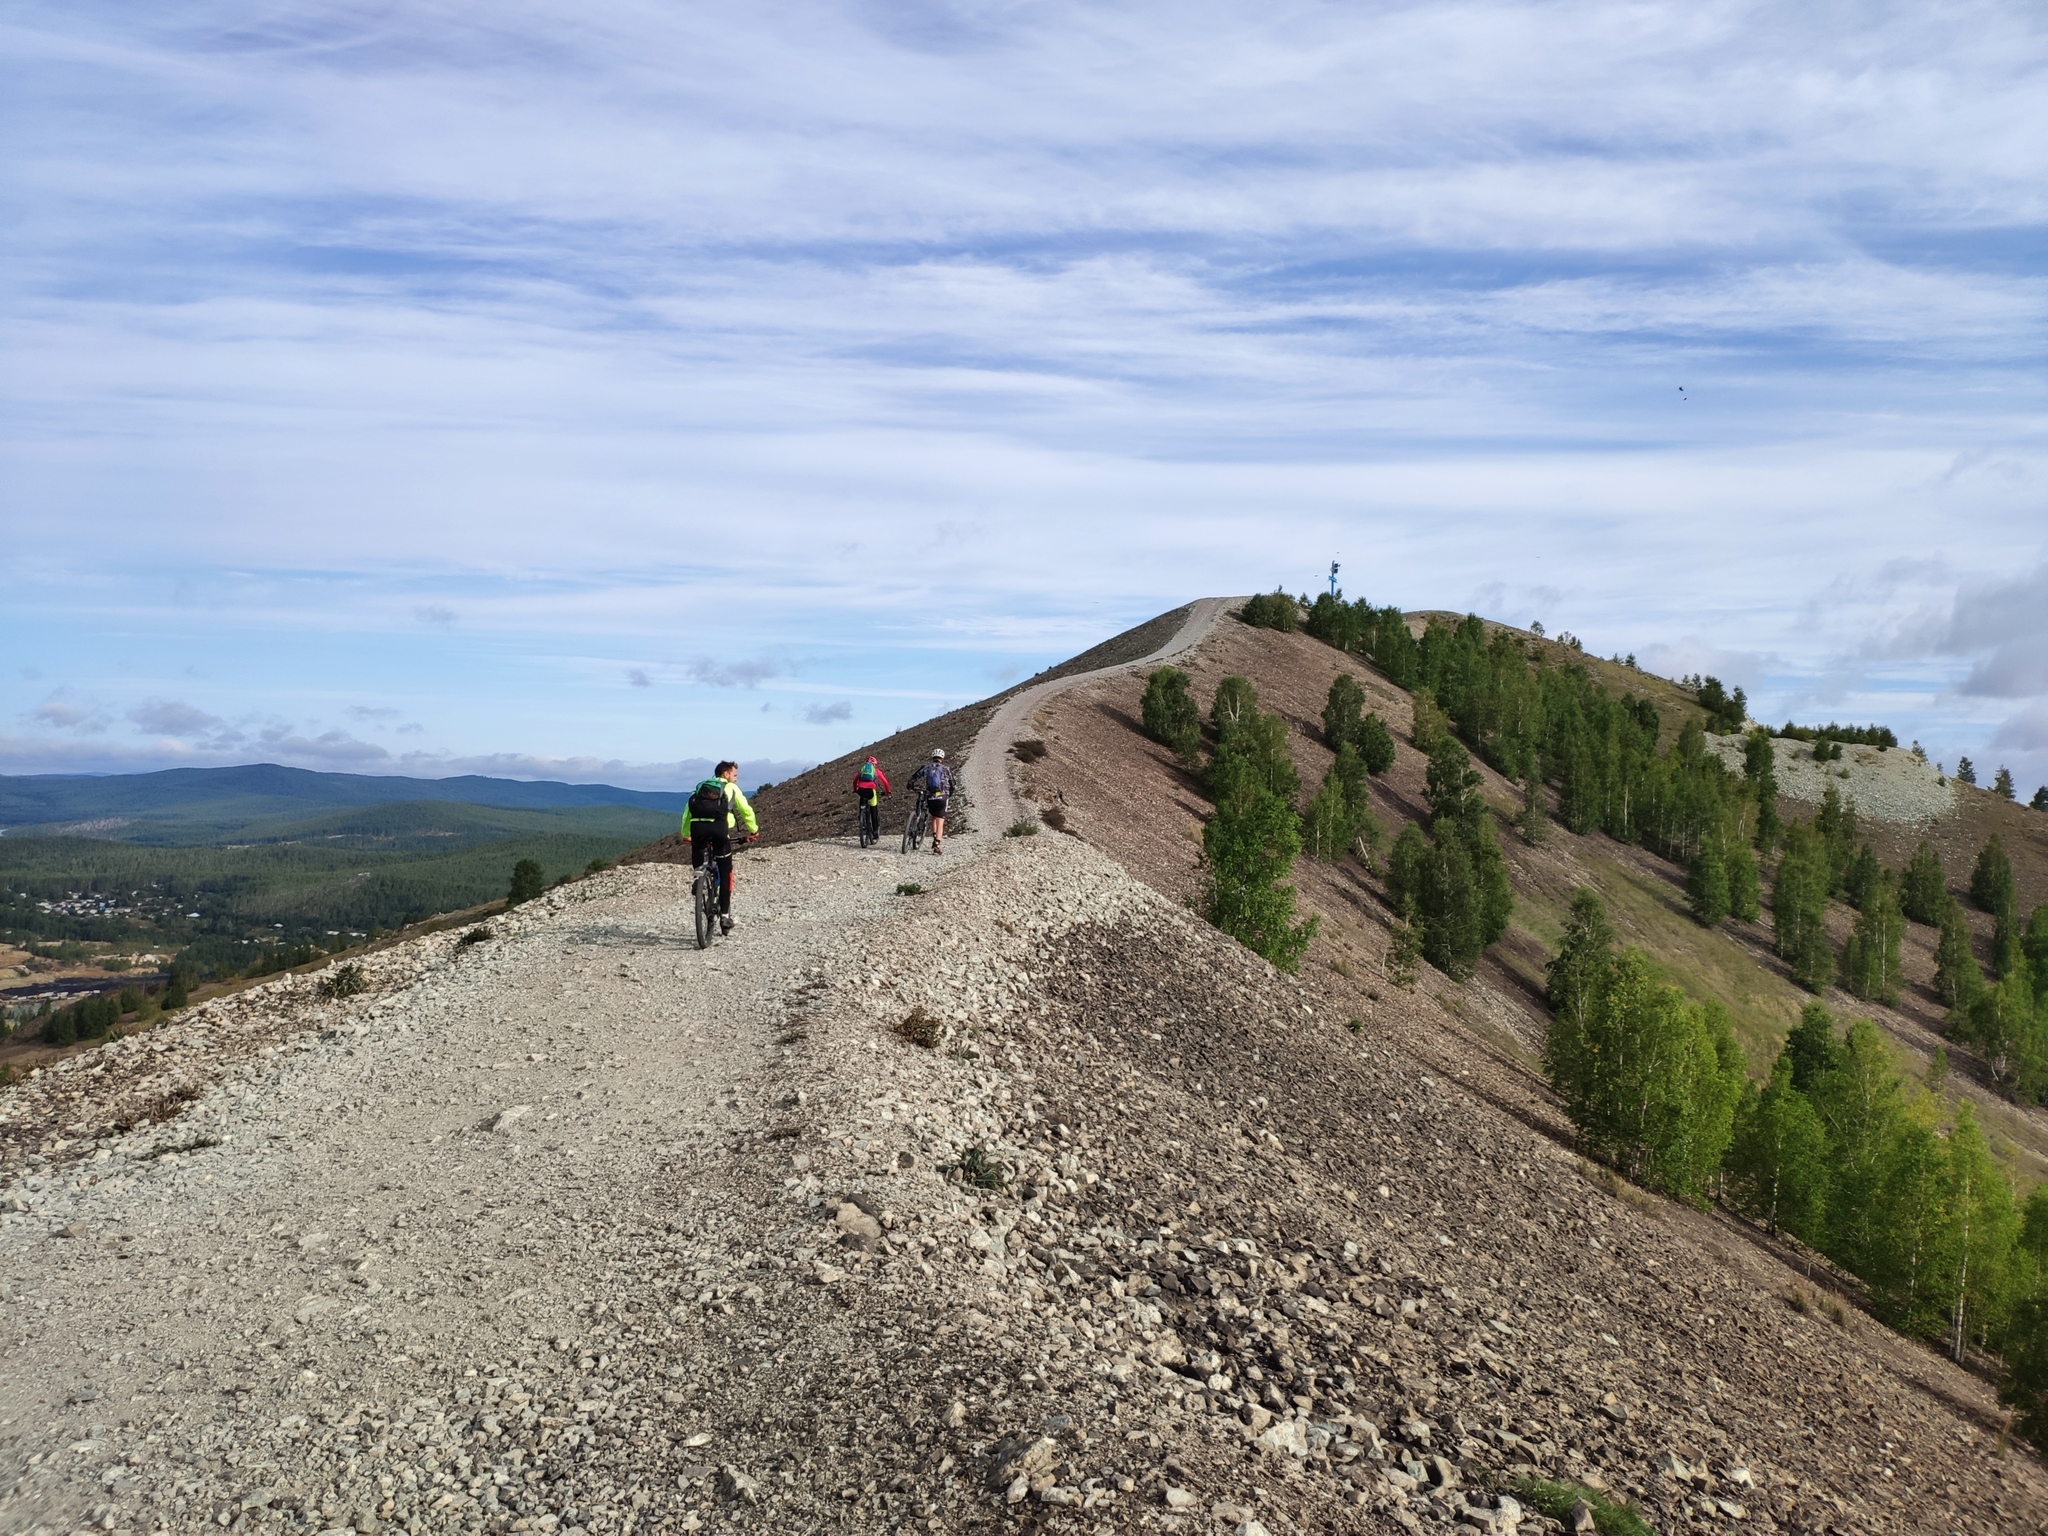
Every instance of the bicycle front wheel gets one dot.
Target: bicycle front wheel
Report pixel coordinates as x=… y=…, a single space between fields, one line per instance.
x=705 y=905
x=913 y=830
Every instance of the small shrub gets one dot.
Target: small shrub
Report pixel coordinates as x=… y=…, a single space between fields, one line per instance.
x=62 y=1029
x=1356 y=1026
x=346 y=981
x=176 y=992
x=1029 y=750
x=475 y=936
x=910 y=888
x=974 y=1166
x=1799 y=1303
x=1053 y=816
x=920 y=1028
x=597 y=866
x=1023 y=826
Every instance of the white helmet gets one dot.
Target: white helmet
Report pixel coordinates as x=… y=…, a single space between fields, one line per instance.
x=938 y=754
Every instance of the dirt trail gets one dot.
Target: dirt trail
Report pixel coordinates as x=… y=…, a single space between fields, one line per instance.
x=987 y=777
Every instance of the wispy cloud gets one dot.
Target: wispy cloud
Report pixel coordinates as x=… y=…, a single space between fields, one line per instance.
x=827 y=714
x=174 y=717
x=731 y=674
x=932 y=342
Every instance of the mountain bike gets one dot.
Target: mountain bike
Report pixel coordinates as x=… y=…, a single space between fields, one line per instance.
x=920 y=823
x=704 y=898
x=871 y=822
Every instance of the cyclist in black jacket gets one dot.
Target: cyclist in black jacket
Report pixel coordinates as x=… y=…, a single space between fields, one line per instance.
x=934 y=783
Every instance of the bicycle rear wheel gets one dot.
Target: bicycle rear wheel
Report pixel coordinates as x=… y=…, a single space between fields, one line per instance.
x=913 y=830
x=705 y=904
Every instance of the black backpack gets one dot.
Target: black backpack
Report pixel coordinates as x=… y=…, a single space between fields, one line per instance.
x=708 y=804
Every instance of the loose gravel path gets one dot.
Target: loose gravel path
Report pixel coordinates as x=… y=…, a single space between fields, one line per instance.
x=372 y=1225
x=987 y=774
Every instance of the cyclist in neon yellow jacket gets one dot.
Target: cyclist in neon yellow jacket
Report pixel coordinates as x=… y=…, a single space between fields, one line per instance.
x=715 y=811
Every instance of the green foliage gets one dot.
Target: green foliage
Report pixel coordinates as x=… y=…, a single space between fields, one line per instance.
x=909 y=888
x=1745 y=898
x=1706 y=885
x=1431 y=725
x=1650 y=1080
x=1247 y=847
x=1799 y=903
x=1339 y=818
x=1778 y=1164
x=1611 y=1517
x=1924 y=891
x=1235 y=700
x=1454 y=888
x=1022 y=827
x=1836 y=826
x=350 y=980
x=1342 y=711
x=1578 y=970
x=1404 y=953
x=1862 y=876
x=2007 y=1026
x=2001 y=786
x=1726 y=713
x=1956 y=977
x=1169 y=714
x=1810 y=1051
x=1534 y=820
x=177 y=990
x=528 y=881
x=1991 y=882
x=1760 y=774
x=1861 y=735
x=2040 y=800
x=2034 y=946
x=1375 y=745
x=1452 y=784
x=1271 y=610
x=977 y=1167
x=1966 y=771
x=1871 y=965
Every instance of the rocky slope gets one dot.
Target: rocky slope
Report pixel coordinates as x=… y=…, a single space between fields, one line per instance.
x=580 y=1228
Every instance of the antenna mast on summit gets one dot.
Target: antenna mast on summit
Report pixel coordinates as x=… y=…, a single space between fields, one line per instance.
x=1333 y=578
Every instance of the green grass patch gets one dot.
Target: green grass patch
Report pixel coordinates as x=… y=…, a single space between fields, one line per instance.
x=910 y=888
x=1557 y=1500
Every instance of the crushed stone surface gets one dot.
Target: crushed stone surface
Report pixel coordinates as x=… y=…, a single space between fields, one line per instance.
x=1887 y=784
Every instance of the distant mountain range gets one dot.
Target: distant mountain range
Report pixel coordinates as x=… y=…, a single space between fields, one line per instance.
x=230 y=796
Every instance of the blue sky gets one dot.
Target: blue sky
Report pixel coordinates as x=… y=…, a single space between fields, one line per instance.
x=576 y=392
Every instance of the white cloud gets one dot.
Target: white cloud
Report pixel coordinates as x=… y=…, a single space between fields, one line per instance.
x=174 y=717
x=827 y=714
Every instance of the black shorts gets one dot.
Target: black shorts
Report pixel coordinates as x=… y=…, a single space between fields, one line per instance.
x=709 y=843
x=935 y=806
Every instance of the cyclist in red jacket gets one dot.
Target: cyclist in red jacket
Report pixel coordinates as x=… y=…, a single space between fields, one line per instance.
x=869 y=783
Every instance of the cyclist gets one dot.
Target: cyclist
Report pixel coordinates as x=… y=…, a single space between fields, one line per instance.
x=716 y=806
x=868 y=779
x=933 y=783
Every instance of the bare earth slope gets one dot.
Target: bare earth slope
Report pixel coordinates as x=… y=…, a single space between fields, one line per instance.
x=579 y=1228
